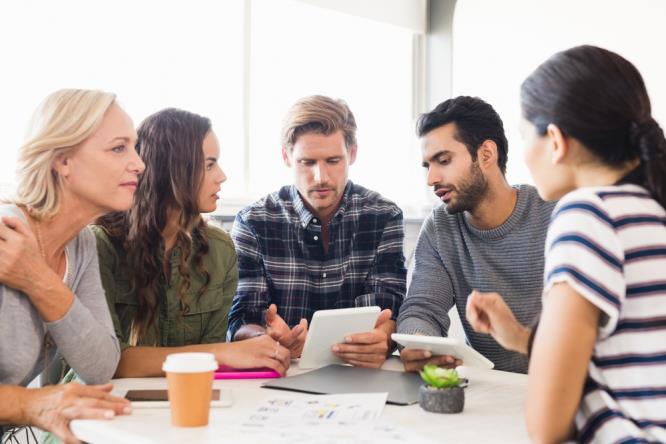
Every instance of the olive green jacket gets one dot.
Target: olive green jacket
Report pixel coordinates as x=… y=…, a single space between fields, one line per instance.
x=206 y=320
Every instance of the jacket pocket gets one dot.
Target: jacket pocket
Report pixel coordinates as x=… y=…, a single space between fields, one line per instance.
x=202 y=309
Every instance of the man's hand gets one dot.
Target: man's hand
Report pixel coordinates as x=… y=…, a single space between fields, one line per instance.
x=488 y=313
x=52 y=408
x=293 y=339
x=414 y=360
x=368 y=349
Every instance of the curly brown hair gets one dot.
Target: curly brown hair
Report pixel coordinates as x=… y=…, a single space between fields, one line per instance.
x=170 y=144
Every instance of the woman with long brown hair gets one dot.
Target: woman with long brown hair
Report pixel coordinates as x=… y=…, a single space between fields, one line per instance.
x=169 y=276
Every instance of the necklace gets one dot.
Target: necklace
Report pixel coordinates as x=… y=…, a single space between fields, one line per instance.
x=40 y=245
x=48 y=343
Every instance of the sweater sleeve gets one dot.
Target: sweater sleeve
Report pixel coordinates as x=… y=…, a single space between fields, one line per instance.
x=85 y=336
x=430 y=296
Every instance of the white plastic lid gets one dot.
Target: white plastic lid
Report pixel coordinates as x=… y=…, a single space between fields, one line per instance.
x=190 y=363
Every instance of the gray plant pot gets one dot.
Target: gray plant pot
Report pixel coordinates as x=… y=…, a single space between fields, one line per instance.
x=445 y=400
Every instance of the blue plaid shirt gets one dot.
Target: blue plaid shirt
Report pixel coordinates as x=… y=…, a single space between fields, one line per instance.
x=281 y=259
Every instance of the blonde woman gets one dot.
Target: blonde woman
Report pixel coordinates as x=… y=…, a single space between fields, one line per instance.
x=78 y=163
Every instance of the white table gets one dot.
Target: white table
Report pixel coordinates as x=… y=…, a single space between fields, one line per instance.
x=494 y=411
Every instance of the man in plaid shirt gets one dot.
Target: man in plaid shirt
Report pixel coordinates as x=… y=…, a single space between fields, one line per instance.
x=321 y=243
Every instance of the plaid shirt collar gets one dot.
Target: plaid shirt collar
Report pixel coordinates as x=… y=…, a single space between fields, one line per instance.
x=305 y=216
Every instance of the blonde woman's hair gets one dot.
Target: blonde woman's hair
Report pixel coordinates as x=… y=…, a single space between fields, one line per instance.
x=61 y=122
x=321 y=115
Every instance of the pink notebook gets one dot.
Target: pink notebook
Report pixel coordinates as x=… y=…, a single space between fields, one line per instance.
x=224 y=372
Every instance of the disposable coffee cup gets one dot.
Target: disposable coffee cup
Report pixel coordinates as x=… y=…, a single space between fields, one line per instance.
x=190 y=386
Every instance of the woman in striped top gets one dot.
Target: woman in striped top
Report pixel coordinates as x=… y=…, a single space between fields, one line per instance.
x=597 y=371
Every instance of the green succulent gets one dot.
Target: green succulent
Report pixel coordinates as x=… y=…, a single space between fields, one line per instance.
x=439 y=377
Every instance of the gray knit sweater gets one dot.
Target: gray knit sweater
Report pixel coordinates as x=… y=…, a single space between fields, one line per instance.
x=453 y=258
x=84 y=336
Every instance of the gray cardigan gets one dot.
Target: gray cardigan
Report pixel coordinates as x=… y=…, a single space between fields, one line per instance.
x=453 y=258
x=84 y=336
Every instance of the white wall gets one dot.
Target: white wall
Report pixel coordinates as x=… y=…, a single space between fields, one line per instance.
x=498 y=43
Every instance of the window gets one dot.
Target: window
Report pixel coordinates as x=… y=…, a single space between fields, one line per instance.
x=299 y=50
x=153 y=54
x=242 y=63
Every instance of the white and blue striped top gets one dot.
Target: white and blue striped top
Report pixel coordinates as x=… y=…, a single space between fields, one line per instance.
x=609 y=244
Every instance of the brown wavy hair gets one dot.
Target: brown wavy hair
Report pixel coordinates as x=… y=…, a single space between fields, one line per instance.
x=170 y=144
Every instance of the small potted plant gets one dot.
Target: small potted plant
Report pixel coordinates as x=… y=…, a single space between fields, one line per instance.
x=442 y=391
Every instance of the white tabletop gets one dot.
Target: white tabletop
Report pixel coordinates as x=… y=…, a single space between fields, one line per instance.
x=494 y=411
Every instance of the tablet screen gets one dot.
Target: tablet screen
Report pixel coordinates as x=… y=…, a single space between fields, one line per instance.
x=330 y=327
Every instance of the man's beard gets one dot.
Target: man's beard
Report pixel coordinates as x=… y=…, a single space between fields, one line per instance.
x=470 y=192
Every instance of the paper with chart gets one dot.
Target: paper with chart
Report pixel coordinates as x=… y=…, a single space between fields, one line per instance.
x=317 y=411
x=323 y=419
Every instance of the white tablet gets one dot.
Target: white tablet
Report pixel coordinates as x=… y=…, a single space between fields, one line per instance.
x=330 y=327
x=444 y=346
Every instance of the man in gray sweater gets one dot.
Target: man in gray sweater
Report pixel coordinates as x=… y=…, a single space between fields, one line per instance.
x=486 y=236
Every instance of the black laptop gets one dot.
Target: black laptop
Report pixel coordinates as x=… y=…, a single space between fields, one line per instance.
x=402 y=388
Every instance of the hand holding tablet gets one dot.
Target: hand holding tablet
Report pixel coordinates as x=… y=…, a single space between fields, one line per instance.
x=331 y=327
x=414 y=359
x=444 y=346
x=369 y=348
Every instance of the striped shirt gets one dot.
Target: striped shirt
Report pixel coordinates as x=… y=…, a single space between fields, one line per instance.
x=609 y=244
x=281 y=259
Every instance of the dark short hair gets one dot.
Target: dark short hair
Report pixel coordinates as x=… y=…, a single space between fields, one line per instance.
x=476 y=121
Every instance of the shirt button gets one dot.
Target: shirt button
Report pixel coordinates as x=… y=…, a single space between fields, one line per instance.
x=314 y=220
x=323 y=275
x=316 y=238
